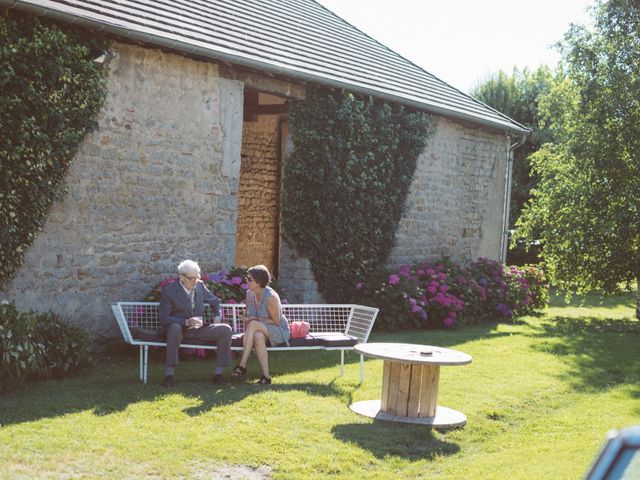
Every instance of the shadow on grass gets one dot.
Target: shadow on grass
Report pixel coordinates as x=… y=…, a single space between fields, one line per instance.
x=602 y=353
x=594 y=299
x=55 y=399
x=238 y=391
x=384 y=439
x=112 y=385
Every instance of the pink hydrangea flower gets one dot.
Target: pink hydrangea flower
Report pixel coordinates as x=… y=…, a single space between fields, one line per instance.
x=449 y=322
x=394 y=279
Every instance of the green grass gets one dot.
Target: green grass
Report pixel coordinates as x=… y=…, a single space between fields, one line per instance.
x=540 y=396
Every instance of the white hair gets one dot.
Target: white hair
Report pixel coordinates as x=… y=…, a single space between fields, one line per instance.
x=187 y=266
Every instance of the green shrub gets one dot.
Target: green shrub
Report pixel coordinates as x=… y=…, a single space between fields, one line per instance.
x=66 y=346
x=38 y=345
x=346 y=183
x=51 y=93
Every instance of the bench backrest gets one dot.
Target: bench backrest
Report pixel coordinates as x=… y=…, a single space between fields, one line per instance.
x=354 y=320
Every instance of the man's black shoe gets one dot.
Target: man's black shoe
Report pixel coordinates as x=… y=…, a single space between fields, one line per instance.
x=168 y=381
x=219 y=380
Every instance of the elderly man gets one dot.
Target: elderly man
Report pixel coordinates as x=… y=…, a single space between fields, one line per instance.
x=181 y=313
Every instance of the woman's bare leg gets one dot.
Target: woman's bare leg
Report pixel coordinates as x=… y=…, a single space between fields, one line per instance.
x=249 y=336
x=260 y=344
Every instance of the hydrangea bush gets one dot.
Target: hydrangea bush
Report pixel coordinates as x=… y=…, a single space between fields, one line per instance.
x=441 y=293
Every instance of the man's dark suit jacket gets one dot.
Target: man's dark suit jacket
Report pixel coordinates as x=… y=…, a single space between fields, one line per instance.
x=175 y=304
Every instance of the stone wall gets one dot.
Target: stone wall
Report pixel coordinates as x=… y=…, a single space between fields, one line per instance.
x=155 y=184
x=456 y=202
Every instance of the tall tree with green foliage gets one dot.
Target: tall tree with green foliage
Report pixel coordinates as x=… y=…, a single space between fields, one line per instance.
x=587 y=204
x=517 y=95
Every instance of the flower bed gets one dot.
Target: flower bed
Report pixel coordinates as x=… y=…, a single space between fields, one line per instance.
x=441 y=293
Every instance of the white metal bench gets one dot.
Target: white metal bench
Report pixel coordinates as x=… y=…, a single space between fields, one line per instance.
x=332 y=327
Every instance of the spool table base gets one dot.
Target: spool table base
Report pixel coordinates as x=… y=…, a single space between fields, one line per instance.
x=444 y=417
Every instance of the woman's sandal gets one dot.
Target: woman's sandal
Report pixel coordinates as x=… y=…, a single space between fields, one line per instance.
x=264 y=380
x=239 y=371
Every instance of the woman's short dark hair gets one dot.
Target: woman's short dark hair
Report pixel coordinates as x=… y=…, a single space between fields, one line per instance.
x=260 y=274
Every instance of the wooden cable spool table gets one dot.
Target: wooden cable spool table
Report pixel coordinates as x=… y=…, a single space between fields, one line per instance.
x=410 y=382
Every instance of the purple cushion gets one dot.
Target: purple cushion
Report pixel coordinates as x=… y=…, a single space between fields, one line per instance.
x=147 y=335
x=306 y=341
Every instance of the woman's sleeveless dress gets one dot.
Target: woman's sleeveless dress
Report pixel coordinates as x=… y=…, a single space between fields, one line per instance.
x=278 y=334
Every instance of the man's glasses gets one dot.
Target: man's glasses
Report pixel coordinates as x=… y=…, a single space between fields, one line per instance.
x=191 y=279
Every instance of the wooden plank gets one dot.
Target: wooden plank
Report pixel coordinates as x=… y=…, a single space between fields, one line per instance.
x=404 y=383
x=394 y=388
x=384 y=396
x=413 y=404
x=429 y=390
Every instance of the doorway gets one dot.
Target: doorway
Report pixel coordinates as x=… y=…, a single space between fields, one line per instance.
x=258 y=228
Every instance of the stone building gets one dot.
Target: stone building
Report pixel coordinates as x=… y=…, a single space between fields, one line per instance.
x=187 y=159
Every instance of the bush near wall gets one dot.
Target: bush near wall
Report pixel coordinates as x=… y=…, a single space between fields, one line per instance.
x=51 y=93
x=38 y=346
x=346 y=182
x=441 y=293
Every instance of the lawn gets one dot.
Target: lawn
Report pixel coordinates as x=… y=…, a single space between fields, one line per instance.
x=540 y=396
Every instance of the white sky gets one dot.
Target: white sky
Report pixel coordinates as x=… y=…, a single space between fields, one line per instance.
x=464 y=41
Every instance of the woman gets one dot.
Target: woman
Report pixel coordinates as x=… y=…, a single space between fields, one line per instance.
x=265 y=324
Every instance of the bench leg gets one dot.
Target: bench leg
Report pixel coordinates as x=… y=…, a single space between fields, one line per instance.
x=361 y=368
x=341 y=363
x=146 y=362
x=141 y=363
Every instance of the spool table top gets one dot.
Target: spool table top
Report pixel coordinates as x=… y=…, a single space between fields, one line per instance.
x=415 y=354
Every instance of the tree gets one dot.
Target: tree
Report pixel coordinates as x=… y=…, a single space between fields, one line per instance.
x=517 y=95
x=587 y=203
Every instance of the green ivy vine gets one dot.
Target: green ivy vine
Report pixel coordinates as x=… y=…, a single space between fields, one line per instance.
x=51 y=93
x=346 y=183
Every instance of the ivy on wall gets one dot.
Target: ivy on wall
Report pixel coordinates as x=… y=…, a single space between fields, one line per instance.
x=346 y=183
x=51 y=93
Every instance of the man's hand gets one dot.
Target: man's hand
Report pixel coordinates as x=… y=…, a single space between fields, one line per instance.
x=194 y=322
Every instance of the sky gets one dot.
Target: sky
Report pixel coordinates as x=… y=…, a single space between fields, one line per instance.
x=463 y=42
